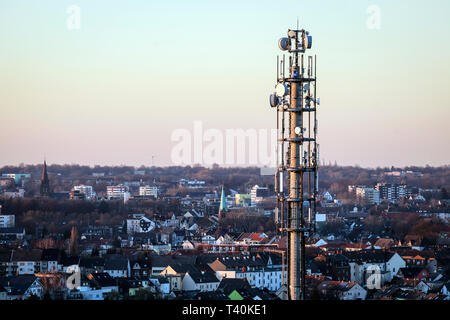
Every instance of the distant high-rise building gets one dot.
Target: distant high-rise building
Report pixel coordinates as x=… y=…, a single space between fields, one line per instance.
x=368 y=195
x=223 y=209
x=242 y=199
x=147 y=191
x=115 y=192
x=7 y=221
x=391 y=192
x=87 y=191
x=45 y=183
x=18 y=177
x=257 y=194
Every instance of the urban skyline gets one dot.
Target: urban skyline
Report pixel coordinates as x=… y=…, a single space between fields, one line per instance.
x=182 y=153
x=104 y=93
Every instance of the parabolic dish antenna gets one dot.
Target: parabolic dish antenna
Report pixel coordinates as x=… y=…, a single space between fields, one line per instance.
x=281 y=90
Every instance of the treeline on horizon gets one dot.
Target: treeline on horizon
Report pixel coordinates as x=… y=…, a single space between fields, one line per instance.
x=58 y=216
x=87 y=169
x=330 y=176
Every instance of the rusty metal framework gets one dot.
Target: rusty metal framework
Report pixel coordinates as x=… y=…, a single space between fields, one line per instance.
x=298 y=153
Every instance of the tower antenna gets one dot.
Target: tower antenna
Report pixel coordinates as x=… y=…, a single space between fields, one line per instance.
x=295 y=96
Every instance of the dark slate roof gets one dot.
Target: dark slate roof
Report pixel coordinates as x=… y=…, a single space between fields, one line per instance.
x=316 y=266
x=234 y=235
x=183 y=268
x=407 y=294
x=202 y=276
x=69 y=261
x=162 y=279
x=5 y=255
x=250 y=294
x=337 y=258
x=103 y=279
x=213 y=295
x=275 y=257
x=13 y=230
x=374 y=256
x=145 y=237
x=144 y=263
x=27 y=255
x=187 y=295
x=205 y=260
x=50 y=255
x=92 y=262
x=228 y=285
x=18 y=284
x=116 y=262
x=236 y=262
x=435 y=287
x=130 y=283
x=205 y=277
x=166 y=260
x=411 y=272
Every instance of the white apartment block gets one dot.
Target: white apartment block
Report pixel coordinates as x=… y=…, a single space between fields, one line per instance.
x=368 y=195
x=148 y=191
x=387 y=269
x=391 y=192
x=22 y=267
x=270 y=278
x=7 y=221
x=139 y=225
x=116 y=191
x=257 y=194
x=88 y=191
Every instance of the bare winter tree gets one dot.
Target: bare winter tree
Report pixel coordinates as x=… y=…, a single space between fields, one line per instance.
x=73 y=249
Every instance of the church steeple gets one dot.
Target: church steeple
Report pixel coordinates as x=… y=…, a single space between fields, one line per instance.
x=223 y=209
x=45 y=183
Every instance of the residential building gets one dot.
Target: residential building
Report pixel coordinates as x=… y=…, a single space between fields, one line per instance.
x=257 y=195
x=20 y=287
x=18 y=177
x=374 y=264
x=391 y=192
x=7 y=221
x=116 y=192
x=338 y=267
x=117 y=266
x=242 y=199
x=368 y=195
x=88 y=191
x=149 y=191
x=139 y=225
x=259 y=272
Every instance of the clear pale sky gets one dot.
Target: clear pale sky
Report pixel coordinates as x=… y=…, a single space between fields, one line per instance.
x=113 y=91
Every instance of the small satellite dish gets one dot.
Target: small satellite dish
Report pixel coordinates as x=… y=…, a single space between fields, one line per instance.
x=284 y=44
x=291 y=34
x=306 y=87
x=298 y=130
x=281 y=90
x=273 y=100
x=307 y=42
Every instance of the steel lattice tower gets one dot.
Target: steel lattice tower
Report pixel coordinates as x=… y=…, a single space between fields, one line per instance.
x=296 y=96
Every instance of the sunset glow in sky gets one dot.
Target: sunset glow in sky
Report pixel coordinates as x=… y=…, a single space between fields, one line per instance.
x=113 y=91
